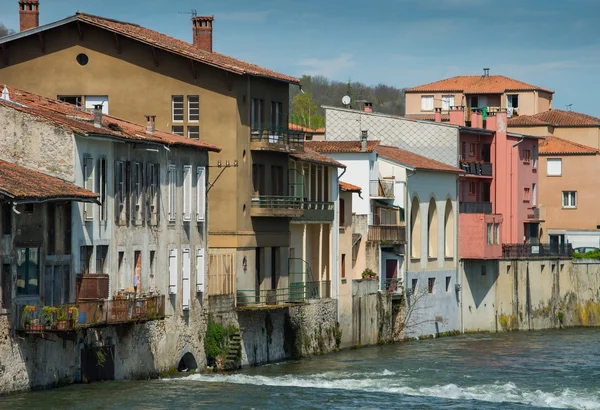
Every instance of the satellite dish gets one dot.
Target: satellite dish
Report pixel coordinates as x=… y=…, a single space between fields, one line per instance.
x=346 y=100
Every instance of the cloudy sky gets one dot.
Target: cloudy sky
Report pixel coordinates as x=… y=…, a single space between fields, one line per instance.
x=550 y=43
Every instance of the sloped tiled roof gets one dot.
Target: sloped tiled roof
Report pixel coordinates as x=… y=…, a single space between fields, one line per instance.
x=477 y=84
x=77 y=120
x=296 y=127
x=340 y=146
x=559 y=146
x=182 y=48
x=413 y=160
x=23 y=184
x=426 y=117
x=558 y=118
x=347 y=187
x=310 y=155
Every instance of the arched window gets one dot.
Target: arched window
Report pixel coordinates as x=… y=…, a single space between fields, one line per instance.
x=432 y=231
x=415 y=229
x=449 y=230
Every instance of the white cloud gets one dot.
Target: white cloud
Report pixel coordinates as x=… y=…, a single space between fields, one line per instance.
x=327 y=67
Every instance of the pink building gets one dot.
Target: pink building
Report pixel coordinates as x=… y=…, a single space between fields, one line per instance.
x=498 y=194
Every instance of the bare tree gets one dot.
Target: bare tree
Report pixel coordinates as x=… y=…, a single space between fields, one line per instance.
x=417 y=301
x=5 y=31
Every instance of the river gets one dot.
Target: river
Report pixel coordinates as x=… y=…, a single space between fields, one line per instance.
x=524 y=370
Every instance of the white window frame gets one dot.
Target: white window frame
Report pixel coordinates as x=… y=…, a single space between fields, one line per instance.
x=190 y=133
x=192 y=109
x=180 y=133
x=509 y=103
x=173 y=102
x=447 y=102
x=556 y=169
x=427 y=103
x=185 y=278
x=569 y=199
x=200 y=271
x=496 y=233
x=172 y=182
x=173 y=271
x=200 y=194
x=89 y=184
x=534 y=156
x=187 y=193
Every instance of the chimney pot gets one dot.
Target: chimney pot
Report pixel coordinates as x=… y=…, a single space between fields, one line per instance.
x=150 y=124
x=202 y=27
x=29 y=14
x=98 y=115
x=437 y=116
x=364 y=135
x=486 y=72
x=368 y=107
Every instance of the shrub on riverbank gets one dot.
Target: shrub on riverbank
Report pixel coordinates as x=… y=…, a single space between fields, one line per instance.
x=216 y=342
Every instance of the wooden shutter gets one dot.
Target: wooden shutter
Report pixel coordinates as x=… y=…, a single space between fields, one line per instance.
x=200 y=270
x=173 y=271
x=185 y=279
x=200 y=194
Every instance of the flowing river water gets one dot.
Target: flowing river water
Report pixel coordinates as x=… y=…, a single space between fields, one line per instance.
x=524 y=370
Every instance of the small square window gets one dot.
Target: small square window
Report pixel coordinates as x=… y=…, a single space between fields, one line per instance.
x=194 y=132
x=569 y=199
x=526 y=194
x=177 y=130
x=427 y=103
x=554 y=167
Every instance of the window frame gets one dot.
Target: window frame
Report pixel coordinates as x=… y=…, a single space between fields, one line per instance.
x=177 y=132
x=27 y=270
x=173 y=102
x=200 y=194
x=193 y=129
x=526 y=194
x=447 y=102
x=430 y=99
x=190 y=109
x=187 y=193
x=89 y=183
x=554 y=161
x=120 y=190
x=571 y=197
x=489 y=233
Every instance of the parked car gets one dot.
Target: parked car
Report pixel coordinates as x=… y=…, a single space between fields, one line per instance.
x=586 y=249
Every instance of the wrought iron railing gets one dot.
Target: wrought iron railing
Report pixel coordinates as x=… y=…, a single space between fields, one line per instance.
x=391 y=233
x=273 y=134
x=475 y=208
x=392 y=284
x=477 y=168
x=276 y=202
x=381 y=188
x=540 y=250
x=295 y=293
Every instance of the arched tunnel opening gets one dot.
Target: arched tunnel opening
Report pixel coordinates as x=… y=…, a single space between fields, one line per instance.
x=187 y=363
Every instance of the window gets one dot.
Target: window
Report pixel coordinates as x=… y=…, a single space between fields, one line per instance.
x=101 y=261
x=6 y=218
x=342 y=212
x=137 y=192
x=88 y=183
x=187 y=193
x=448 y=280
x=534 y=194
x=102 y=184
x=256 y=113
x=474 y=101
x=152 y=268
x=172 y=271
x=512 y=101
x=193 y=108
x=177 y=108
x=483 y=270
x=427 y=103
x=554 y=167
x=85 y=259
x=276 y=115
x=172 y=177
x=471 y=149
x=526 y=155
x=28 y=271
x=29 y=208
x=471 y=188
x=137 y=272
x=413 y=285
x=57 y=285
x=121 y=270
x=120 y=187
x=569 y=199
x=343 y=265
x=66 y=209
x=463 y=151
x=430 y=285
x=71 y=99
x=490 y=239
x=496 y=233
x=51 y=229
x=6 y=286
x=200 y=194
x=194 y=132
x=177 y=130
x=447 y=102
x=185 y=278
x=91 y=100
x=534 y=156
x=526 y=194
x=152 y=177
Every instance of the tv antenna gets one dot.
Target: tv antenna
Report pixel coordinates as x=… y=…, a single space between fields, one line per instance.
x=193 y=12
x=569 y=107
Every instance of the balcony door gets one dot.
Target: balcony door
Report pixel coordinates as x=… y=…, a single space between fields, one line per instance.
x=486 y=152
x=532 y=233
x=391 y=273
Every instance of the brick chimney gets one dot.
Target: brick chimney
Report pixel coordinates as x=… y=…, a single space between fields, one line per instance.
x=457 y=115
x=202 y=28
x=150 y=124
x=29 y=14
x=368 y=107
x=437 y=116
x=364 y=135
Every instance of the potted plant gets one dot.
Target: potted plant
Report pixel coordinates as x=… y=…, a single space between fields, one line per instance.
x=368 y=274
x=49 y=317
x=72 y=315
x=61 y=319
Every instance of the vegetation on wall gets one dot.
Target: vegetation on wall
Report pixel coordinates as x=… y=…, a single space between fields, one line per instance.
x=216 y=342
x=587 y=255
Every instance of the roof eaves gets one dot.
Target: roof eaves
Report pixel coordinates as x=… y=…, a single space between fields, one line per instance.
x=395 y=161
x=39 y=29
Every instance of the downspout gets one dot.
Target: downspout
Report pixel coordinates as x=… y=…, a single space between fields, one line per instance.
x=407 y=217
x=511 y=186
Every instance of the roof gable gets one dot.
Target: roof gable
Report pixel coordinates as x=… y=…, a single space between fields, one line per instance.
x=558 y=118
x=559 y=146
x=478 y=84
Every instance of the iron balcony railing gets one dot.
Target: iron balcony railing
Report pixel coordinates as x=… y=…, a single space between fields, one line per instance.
x=477 y=168
x=392 y=284
x=387 y=233
x=540 y=250
x=91 y=313
x=475 y=208
x=295 y=293
x=381 y=188
x=273 y=134
x=276 y=202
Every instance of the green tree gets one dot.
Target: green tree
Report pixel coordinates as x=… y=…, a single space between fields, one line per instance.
x=305 y=112
x=5 y=31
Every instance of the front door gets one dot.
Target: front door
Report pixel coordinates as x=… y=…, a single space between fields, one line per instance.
x=391 y=274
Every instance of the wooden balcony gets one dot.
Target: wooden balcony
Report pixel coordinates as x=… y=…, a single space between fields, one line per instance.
x=278 y=206
x=269 y=137
x=387 y=233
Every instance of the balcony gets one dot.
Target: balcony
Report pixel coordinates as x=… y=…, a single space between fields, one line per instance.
x=268 y=137
x=540 y=250
x=387 y=233
x=296 y=293
x=278 y=206
x=381 y=188
x=475 y=208
x=315 y=211
x=392 y=285
x=35 y=319
x=483 y=169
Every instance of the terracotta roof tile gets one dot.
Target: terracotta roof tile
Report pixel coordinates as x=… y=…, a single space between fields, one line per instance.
x=182 y=48
x=296 y=127
x=346 y=187
x=320 y=130
x=477 y=84
x=558 y=118
x=427 y=117
x=310 y=155
x=559 y=146
x=81 y=121
x=24 y=184
x=340 y=146
x=413 y=160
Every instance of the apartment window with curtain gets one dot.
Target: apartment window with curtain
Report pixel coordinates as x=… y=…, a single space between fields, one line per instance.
x=177 y=108
x=569 y=199
x=193 y=108
x=447 y=102
x=534 y=156
x=512 y=101
x=427 y=103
